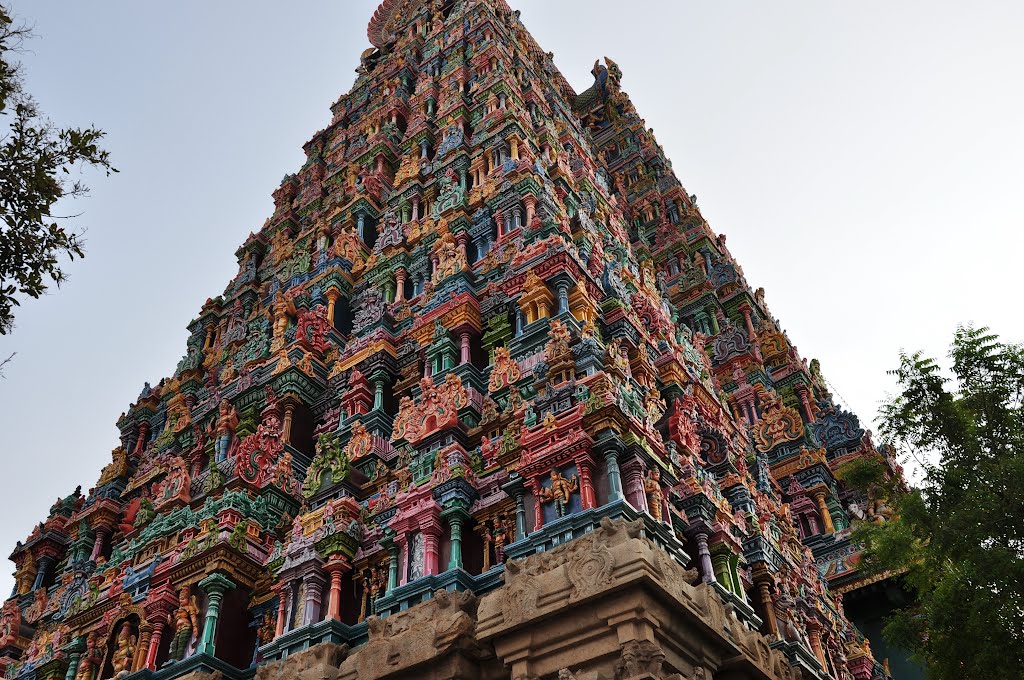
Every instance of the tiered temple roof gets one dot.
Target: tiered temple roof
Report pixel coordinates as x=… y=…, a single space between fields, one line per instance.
x=484 y=316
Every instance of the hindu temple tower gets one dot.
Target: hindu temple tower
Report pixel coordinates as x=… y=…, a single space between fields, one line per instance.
x=488 y=399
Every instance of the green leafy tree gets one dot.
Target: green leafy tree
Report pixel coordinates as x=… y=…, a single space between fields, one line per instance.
x=38 y=162
x=959 y=538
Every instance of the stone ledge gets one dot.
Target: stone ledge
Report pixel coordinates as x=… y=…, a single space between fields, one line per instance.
x=610 y=605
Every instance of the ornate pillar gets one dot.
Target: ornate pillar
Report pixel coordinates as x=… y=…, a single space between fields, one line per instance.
x=43 y=566
x=283 y=590
x=587 y=496
x=154 y=643
x=530 y=202
x=335 y=567
x=455 y=521
x=802 y=393
x=378 y=391
x=764 y=592
x=713 y=318
x=748 y=321
x=520 y=514
x=826 y=515
x=723 y=570
x=98 y=546
x=563 y=297
x=214 y=585
x=464 y=355
x=400 y=284
x=633 y=473
x=286 y=427
x=814 y=638
x=392 y=567
x=145 y=635
x=332 y=299
x=140 y=443
x=315 y=582
x=707 y=570
x=611 y=457
x=73 y=661
x=485 y=538
x=431 y=549
x=361 y=224
x=403 y=573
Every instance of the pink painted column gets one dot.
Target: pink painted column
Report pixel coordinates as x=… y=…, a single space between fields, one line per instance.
x=400 y=285
x=335 y=568
x=154 y=644
x=403 y=543
x=431 y=539
x=100 y=543
x=531 y=208
x=748 y=321
x=464 y=359
x=282 y=605
x=587 y=499
x=801 y=392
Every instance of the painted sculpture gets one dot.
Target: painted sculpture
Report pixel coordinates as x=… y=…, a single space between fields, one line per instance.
x=484 y=315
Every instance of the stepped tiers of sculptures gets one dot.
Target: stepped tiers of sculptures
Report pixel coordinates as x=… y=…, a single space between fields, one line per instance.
x=487 y=399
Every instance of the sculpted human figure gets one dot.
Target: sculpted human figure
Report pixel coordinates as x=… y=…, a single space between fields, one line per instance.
x=878 y=510
x=560 y=491
x=186 y=623
x=124 y=649
x=88 y=661
x=278 y=314
x=655 y=496
x=227 y=421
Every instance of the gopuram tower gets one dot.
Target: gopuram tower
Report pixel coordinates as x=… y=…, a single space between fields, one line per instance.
x=488 y=399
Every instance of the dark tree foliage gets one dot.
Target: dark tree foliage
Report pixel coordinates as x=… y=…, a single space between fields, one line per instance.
x=37 y=161
x=959 y=538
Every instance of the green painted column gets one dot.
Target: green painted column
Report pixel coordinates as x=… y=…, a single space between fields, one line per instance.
x=721 y=566
x=214 y=585
x=393 y=568
x=379 y=378
x=713 y=316
x=455 y=522
x=611 y=457
x=76 y=649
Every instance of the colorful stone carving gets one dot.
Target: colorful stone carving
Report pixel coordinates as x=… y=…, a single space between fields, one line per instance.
x=530 y=324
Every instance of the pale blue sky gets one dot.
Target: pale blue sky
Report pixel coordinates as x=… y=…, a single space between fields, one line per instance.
x=864 y=158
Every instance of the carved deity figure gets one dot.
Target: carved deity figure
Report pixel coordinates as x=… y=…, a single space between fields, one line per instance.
x=176 y=484
x=227 y=421
x=278 y=313
x=186 y=623
x=124 y=650
x=560 y=491
x=89 y=658
x=655 y=496
x=878 y=510
x=118 y=467
x=26 y=574
x=145 y=514
x=504 y=530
